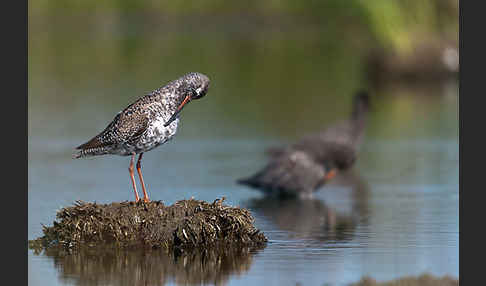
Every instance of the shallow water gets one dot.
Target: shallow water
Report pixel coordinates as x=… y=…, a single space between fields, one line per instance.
x=395 y=214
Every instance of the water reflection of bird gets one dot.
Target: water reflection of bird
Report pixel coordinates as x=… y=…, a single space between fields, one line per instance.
x=305 y=219
x=301 y=168
x=314 y=219
x=145 y=124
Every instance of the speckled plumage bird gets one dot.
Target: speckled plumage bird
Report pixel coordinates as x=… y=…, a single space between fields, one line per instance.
x=145 y=124
x=303 y=167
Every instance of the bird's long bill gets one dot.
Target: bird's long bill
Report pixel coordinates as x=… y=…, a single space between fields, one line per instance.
x=174 y=116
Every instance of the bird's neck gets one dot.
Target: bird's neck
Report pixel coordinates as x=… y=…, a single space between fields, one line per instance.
x=358 y=118
x=170 y=100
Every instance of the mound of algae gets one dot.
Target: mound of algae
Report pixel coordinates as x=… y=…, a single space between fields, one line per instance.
x=425 y=279
x=185 y=224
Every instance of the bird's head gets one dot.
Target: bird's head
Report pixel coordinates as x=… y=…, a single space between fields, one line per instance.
x=197 y=85
x=191 y=86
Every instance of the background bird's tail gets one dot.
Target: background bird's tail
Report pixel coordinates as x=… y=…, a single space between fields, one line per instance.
x=252 y=181
x=244 y=181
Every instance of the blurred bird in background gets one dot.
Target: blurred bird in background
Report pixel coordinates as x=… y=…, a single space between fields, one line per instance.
x=303 y=167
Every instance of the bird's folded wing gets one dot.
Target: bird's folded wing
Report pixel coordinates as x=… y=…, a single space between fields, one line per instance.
x=126 y=126
x=292 y=171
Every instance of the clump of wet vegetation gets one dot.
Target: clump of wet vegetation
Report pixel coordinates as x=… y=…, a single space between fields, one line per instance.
x=185 y=224
x=422 y=280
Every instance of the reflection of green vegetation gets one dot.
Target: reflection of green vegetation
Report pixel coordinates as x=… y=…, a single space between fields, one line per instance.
x=403 y=23
x=253 y=67
x=393 y=22
x=293 y=64
x=122 y=32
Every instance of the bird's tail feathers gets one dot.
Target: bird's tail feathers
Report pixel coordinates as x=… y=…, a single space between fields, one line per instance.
x=89 y=152
x=249 y=181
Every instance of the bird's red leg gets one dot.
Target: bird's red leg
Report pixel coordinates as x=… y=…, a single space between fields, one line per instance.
x=139 y=170
x=132 y=176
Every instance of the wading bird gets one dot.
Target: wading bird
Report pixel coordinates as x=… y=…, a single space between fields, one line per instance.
x=303 y=167
x=145 y=124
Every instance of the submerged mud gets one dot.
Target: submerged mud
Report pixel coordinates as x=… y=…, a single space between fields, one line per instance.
x=185 y=224
x=422 y=280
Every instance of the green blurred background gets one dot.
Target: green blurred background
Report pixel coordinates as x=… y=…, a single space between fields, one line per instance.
x=279 y=67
